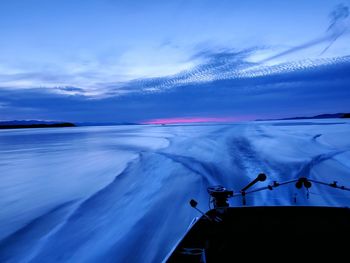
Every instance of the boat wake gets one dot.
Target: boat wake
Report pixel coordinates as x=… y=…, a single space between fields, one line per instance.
x=139 y=214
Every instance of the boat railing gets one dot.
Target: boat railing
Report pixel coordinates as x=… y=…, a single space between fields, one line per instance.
x=219 y=195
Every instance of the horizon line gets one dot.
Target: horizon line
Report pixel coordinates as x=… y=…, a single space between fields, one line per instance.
x=178 y=120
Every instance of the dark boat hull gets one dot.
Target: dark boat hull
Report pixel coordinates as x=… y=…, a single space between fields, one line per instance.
x=244 y=230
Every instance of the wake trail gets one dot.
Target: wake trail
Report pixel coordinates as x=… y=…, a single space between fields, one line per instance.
x=305 y=170
x=142 y=211
x=108 y=218
x=27 y=239
x=207 y=171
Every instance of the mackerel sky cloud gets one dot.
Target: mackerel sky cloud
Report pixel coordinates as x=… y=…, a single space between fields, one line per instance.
x=167 y=60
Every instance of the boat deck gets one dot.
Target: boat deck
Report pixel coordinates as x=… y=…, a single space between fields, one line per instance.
x=245 y=230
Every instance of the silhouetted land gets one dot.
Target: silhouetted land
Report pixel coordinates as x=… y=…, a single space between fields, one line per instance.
x=36 y=125
x=321 y=116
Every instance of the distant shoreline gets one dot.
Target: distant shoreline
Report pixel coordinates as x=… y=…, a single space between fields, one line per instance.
x=322 y=116
x=28 y=124
x=41 y=125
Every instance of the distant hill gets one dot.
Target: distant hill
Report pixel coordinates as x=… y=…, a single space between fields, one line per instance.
x=17 y=124
x=321 y=116
x=33 y=124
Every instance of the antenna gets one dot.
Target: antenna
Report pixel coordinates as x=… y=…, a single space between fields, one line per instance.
x=260 y=178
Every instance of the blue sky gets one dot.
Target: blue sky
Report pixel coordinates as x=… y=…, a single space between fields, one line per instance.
x=118 y=60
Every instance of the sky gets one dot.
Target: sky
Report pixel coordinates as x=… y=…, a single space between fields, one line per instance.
x=173 y=61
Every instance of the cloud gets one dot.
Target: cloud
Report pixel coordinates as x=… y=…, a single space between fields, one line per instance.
x=308 y=87
x=226 y=65
x=98 y=76
x=212 y=66
x=339 y=24
x=147 y=71
x=216 y=65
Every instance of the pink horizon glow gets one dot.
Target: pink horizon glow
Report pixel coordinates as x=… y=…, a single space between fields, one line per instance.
x=197 y=120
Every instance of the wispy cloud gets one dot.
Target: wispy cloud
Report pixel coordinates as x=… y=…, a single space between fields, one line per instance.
x=225 y=66
x=97 y=77
x=339 y=24
x=166 y=67
x=215 y=65
x=308 y=87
